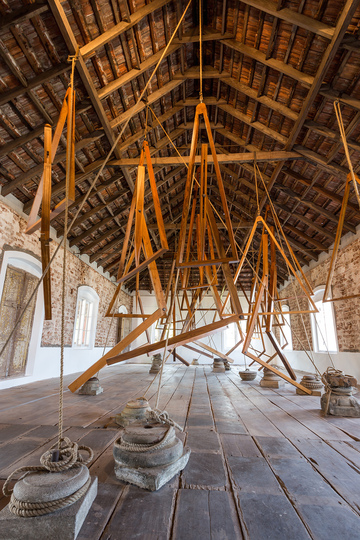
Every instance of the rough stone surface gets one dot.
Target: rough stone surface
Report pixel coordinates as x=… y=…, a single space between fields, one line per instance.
x=152 y=478
x=91 y=387
x=341 y=403
x=248 y=375
x=44 y=486
x=156 y=364
x=271 y=380
x=63 y=524
x=134 y=411
x=150 y=468
x=313 y=383
x=218 y=365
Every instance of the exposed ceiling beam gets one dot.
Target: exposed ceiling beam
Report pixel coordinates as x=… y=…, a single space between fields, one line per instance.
x=121 y=27
x=222 y=158
x=292 y=17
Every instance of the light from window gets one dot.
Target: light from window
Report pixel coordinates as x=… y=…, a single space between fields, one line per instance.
x=325 y=327
x=83 y=325
x=85 y=320
x=231 y=335
x=285 y=333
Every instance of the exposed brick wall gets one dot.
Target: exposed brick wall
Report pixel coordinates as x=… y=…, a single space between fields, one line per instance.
x=12 y=235
x=346 y=281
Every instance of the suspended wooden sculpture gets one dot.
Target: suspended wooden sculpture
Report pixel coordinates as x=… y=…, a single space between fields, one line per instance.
x=266 y=294
x=351 y=177
x=335 y=251
x=206 y=224
x=43 y=193
x=141 y=246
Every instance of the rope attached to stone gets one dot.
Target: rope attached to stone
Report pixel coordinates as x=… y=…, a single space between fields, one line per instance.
x=162 y=417
x=144 y=447
x=69 y=457
x=329 y=389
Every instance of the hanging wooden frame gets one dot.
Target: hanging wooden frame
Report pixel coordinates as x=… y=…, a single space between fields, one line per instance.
x=335 y=251
x=67 y=114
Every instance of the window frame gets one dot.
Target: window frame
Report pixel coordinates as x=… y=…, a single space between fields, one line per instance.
x=88 y=294
x=317 y=297
x=285 y=308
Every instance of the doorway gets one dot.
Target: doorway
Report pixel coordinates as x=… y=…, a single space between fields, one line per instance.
x=18 y=287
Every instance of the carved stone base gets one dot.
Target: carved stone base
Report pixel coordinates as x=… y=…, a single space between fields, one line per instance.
x=65 y=523
x=271 y=380
x=227 y=365
x=156 y=364
x=341 y=402
x=134 y=411
x=195 y=362
x=91 y=387
x=150 y=468
x=313 y=383
x=218 y=365
x=247 y=375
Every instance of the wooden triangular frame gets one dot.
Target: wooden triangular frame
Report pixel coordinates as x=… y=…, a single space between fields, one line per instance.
x=141 y=236
x=206 y=222
x=327 y=292
x=265 y=294
x=67 y=114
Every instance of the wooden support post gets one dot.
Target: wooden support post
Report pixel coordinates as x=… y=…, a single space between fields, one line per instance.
x=45 y=221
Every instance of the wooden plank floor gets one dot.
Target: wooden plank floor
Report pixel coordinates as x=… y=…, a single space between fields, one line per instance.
x=264 y=464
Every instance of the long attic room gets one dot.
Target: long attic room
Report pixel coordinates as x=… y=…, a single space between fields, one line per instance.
x=179 y=269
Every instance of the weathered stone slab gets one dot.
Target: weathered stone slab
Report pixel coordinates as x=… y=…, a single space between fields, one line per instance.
x=65 y=523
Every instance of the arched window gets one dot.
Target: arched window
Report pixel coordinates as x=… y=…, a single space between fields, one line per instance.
x=85 y=318
x=323 y=324
x=285 y=332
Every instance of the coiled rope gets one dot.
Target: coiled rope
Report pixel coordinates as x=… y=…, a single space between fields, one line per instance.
x=69 y=458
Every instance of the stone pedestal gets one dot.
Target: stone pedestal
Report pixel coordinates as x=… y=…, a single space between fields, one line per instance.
x=338 y=399
x=313 y=383
x=162 y=458
x=134 y=411
x=156 y=364
x=91 y=387
x=227 y=365
x=340 y=402
x=64 y=523
x=271 y=380
x=248 y=375
x=195 y=362
x=218 y=365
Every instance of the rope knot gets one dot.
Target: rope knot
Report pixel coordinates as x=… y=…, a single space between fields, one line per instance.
x=162 y=417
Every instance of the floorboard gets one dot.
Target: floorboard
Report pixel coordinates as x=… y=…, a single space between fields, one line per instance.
x=264 y=464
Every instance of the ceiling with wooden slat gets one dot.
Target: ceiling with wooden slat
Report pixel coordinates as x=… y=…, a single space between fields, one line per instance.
x=272 y=71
